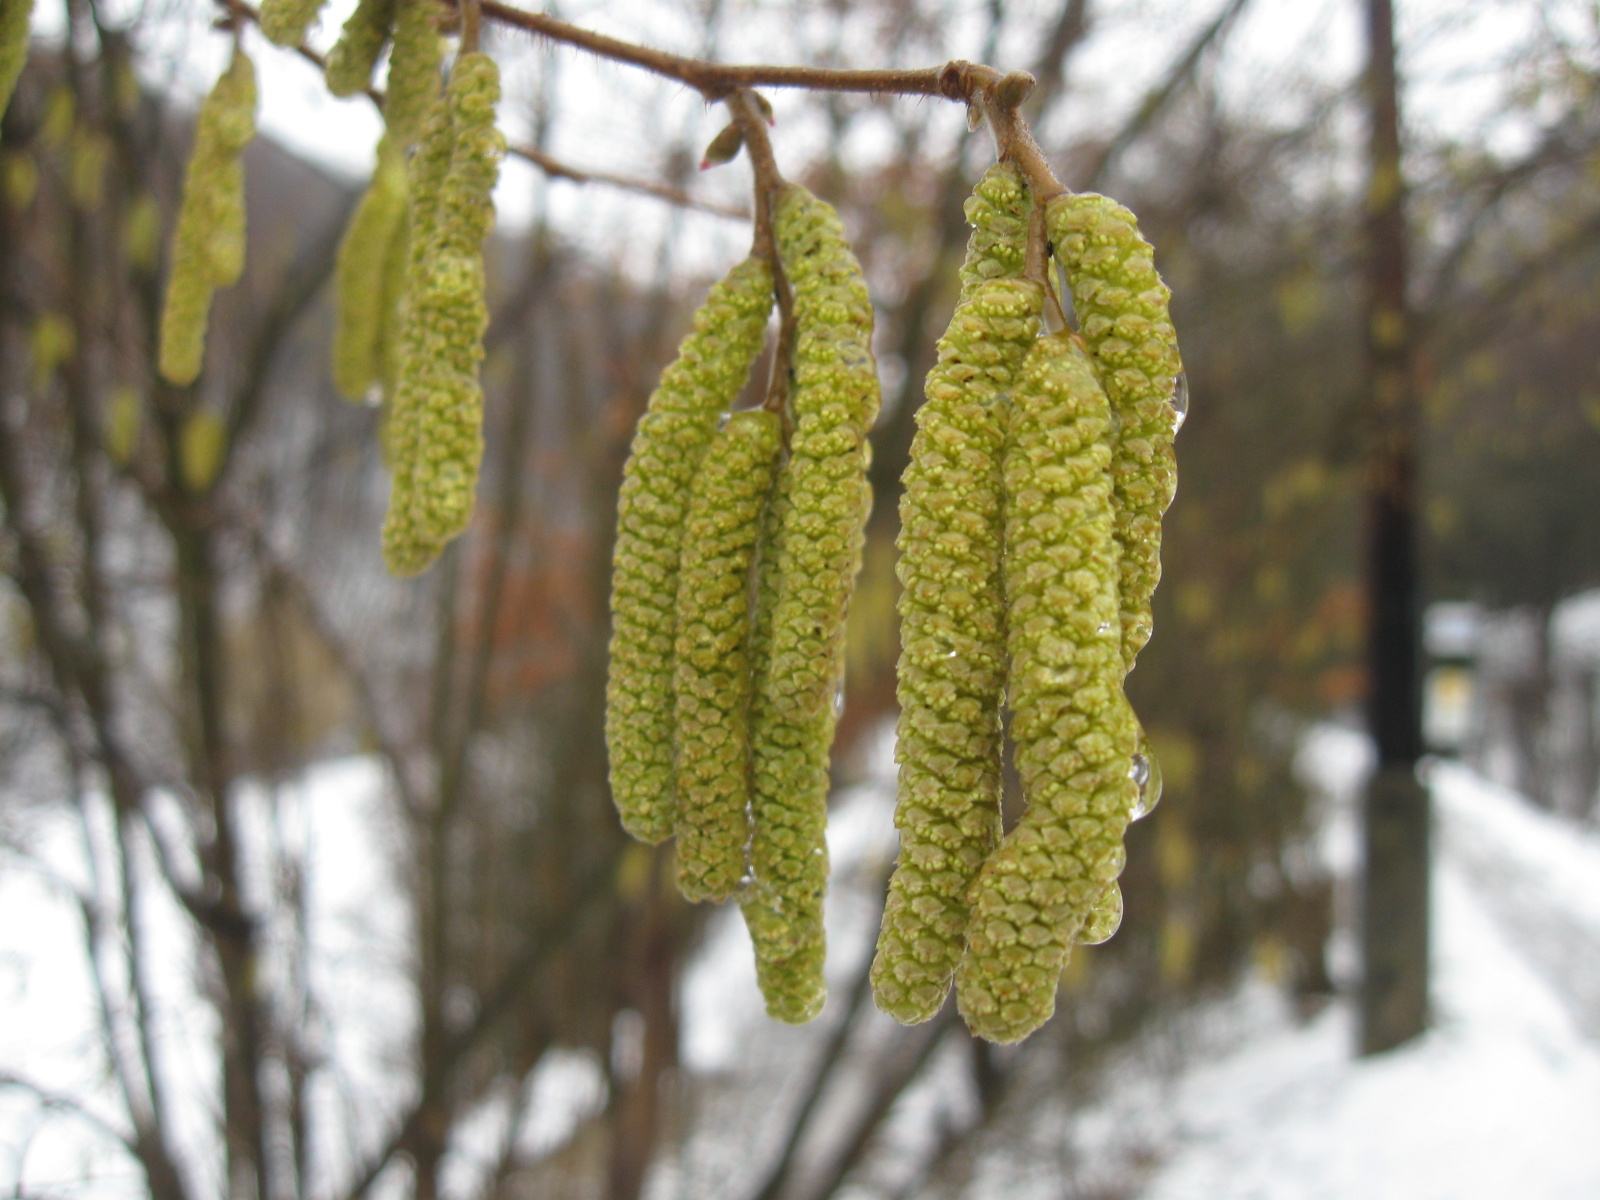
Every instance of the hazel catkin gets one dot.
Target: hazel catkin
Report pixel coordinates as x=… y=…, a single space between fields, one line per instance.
x=413 y=68
x=349 y=65
x=436 y=426
x=15 y=18
x=1121 y=305
x=285 y=21
x=952 y=664
x=1073 y=730
x=680 y=420
x=998 y=211
x=835 y=399
x=711 y=655
x=360 y=280
x=208 y=244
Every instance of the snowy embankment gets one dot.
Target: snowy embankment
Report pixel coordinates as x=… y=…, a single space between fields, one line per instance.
x=1500 y=1099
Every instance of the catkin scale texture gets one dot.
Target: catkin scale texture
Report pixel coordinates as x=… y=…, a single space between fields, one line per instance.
x=711 y=656
x=998 y=211
x=1121 y=305
x=679 y=422
x=1074 y=733
x=952 y=663
x=436 y=437
x=208 y=244
x=817 y=554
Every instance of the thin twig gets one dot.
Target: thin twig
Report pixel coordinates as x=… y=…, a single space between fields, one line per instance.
x=768 y=185
x=552 y=167
x=717 y=81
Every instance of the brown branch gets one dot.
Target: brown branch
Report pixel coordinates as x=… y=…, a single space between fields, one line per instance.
x=767 y=186
x=717 y=81
x=550 y=937
x=777 y=1176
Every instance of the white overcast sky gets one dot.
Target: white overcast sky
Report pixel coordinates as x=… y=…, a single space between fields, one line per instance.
x=616 y=118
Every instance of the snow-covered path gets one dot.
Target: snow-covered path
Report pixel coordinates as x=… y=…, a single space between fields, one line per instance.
x=1500 y=1099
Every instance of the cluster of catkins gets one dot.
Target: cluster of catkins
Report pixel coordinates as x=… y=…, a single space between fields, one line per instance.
x=735 y=558
x=410 y=275
x=1030 y=537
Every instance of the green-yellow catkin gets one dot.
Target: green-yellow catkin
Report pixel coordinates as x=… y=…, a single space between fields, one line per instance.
x=680 y=420
x=285 y=21
x=436 y=430
x=951 y=672
x=349 y=65
x=208 y=245
x=952 y=625
x=15 y=16
x=1074 y=733
x=360 y=276
x=835 y=400
x=1121 y=305
x=201 y=447
x=711 y=657
x=413 y=68
x=997 y=210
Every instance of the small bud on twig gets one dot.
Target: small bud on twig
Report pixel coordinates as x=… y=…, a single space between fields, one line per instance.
x=723 y=148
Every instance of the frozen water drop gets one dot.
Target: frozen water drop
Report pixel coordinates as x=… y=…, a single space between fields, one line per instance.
x=1146 y=773
x=1180 y=401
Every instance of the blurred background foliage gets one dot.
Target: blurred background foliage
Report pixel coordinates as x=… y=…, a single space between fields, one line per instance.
x=196 y=615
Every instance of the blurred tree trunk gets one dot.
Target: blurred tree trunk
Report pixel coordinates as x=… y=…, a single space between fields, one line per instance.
x=1394 y=993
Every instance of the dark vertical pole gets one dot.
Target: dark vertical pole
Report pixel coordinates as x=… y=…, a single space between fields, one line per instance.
x=1394 y=993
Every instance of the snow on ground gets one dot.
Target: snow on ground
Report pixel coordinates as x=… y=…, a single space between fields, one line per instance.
x=1500 y=1098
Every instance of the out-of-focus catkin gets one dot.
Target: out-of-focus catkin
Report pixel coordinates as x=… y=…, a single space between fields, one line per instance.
x=285 y=21
x=413 y=69
x=436 y=426
x=349 y=66
x=679 y=422
x=208 y=245
x=361 y=279
x=726 y=502
x=1074 y=732
x=818 y=553
x=1121 y=305
x=15 y=18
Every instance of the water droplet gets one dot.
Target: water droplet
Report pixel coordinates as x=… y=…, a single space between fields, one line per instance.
x=1146 y=772
x=1104 y=920
x=1180 y=401
x=838 y=697
x=722 y=421
x=1104 y=628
